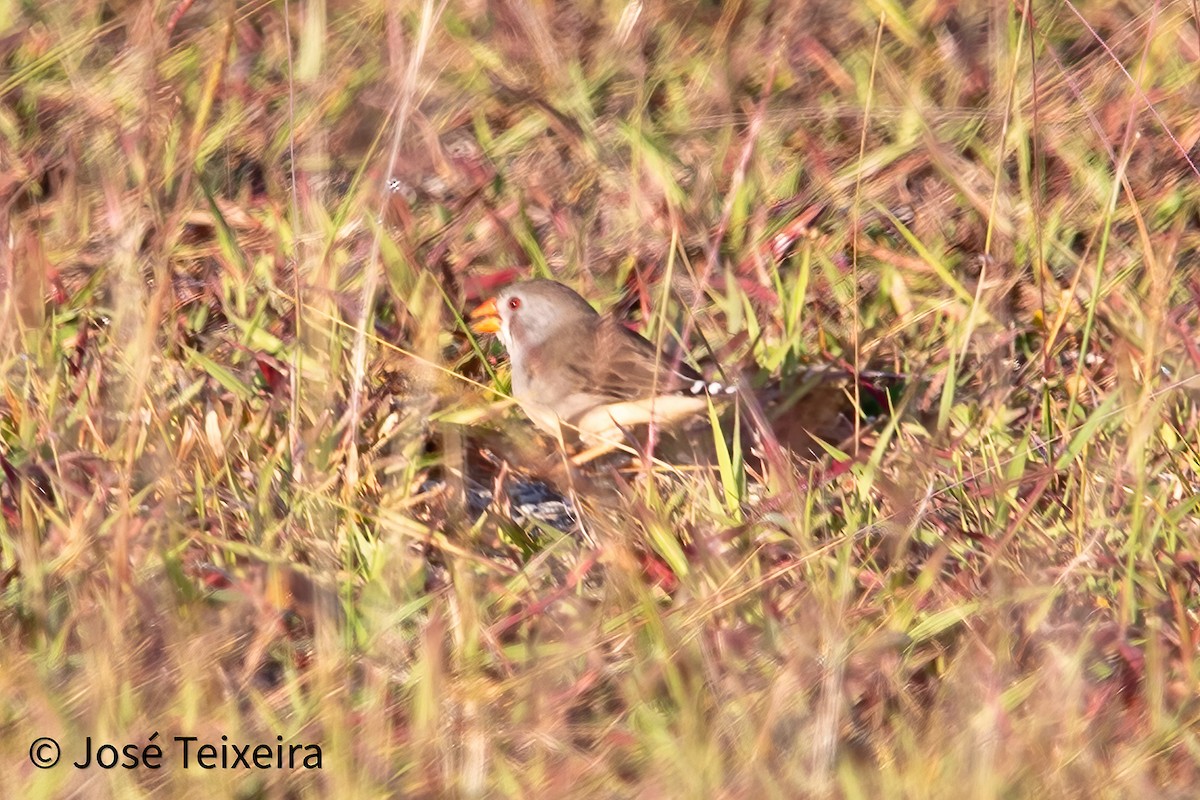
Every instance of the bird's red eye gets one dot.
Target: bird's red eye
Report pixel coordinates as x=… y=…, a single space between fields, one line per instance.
x=514 y=303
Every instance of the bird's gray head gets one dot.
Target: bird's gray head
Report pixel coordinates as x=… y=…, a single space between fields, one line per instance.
x=532 y=313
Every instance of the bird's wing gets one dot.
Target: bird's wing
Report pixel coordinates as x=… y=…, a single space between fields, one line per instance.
x=625 y=366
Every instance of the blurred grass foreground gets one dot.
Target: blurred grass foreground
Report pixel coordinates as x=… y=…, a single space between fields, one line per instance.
x=261 y=489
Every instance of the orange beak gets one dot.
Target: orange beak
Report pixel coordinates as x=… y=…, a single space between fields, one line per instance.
x=486 y=318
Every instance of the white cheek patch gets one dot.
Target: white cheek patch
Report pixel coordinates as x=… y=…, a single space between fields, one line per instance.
x=505 y=339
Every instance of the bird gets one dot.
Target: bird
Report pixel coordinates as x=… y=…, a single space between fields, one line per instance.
x=580 y=375
x=585 y=378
